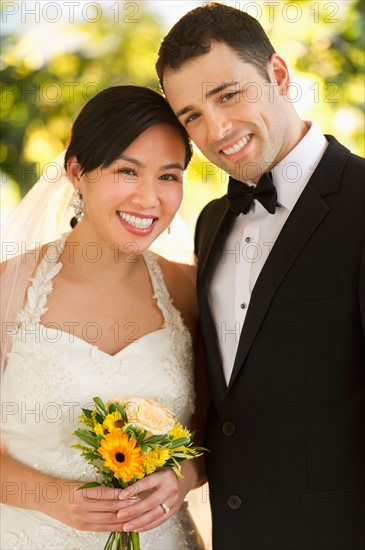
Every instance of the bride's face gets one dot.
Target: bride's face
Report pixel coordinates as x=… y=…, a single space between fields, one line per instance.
x=135 y=198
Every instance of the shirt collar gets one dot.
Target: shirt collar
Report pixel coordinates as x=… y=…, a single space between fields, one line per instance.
x=293 y=172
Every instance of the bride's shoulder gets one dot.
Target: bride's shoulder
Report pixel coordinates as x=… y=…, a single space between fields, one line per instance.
x=176 y=273
x=180 y=282
x=24 y=261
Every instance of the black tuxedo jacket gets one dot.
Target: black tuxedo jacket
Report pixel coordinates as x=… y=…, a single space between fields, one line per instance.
x=287 y=442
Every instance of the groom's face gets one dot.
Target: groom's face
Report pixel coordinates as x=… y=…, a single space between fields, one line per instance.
x=232 y=113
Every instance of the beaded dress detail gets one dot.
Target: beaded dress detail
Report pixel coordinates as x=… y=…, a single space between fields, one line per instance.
x=51 y=375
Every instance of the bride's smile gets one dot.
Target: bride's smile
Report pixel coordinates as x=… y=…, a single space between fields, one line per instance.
x=137 y=195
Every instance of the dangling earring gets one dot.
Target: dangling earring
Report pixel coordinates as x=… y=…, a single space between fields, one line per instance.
x=78 y=206
x=169 y=230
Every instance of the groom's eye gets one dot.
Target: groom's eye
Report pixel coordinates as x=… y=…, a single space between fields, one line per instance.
x=191 y=118
x=228 y=96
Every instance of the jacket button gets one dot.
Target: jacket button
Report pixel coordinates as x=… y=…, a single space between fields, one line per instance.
x=228 y=428
x=234 y=502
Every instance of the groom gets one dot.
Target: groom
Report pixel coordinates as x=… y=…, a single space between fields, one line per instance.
x=281 y=284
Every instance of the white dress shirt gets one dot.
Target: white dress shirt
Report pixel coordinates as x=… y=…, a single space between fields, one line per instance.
x=250 y=241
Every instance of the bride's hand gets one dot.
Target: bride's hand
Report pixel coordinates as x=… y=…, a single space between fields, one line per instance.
x=93 y=509
x=155 y=490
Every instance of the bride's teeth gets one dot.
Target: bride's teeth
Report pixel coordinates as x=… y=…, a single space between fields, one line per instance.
x=240 y=145
x=139 y=223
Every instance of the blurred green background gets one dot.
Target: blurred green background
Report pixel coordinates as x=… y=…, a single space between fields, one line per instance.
x=56 y=55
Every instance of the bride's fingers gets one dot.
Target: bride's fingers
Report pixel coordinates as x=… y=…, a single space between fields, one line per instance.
x=145 y=507
x=162 y=488
x=104 y=520
x=133 y=490
x=149 y=520
x=108 y=527
x=99 y=522
x=150 y=511
x=99 y=493
x=153 y=481
x=100 y=507
x=150 y=504
x=112 y=506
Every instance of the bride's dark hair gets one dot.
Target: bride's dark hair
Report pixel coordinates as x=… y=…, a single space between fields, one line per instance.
x=113 y=119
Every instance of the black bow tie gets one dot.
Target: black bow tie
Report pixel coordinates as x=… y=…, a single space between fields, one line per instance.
x=241 y=196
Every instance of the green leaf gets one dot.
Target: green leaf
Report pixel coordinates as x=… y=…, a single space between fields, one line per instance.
x=98 y=463
x=161 y=439
x=100 y=407
x=89 y=485
x=87 y=436
x=118 y=407
x=140 y=437
x=181 y=442
x=99 y=418
x=87 y=412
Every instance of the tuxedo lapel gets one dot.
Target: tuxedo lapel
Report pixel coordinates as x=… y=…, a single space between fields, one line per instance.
x=213 y=238
x=297 y=230
x=302 y=222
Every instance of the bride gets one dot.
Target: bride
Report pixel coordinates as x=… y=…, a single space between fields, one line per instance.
x=95 y=312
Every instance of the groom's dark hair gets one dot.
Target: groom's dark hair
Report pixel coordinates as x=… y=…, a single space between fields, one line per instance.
x=193 y=34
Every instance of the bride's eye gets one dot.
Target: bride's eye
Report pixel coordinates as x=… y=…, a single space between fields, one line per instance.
x=169 y=177
x=127 y=171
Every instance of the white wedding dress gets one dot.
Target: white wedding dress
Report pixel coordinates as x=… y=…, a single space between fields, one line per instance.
x=51 y=374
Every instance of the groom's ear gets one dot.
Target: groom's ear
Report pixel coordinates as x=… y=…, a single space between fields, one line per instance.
x=74 y=172
x=279 y=73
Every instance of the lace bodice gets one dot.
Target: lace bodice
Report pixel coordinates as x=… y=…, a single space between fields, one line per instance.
x=52 y=374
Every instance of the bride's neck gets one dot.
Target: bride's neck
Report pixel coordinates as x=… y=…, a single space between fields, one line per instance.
x=93 y=259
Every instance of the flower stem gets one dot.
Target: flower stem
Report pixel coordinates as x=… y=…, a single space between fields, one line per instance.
x=135 y=540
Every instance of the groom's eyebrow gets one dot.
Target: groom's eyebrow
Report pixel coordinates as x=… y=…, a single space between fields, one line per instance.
x=184 y=110
x=219 y=89
x=212 y=92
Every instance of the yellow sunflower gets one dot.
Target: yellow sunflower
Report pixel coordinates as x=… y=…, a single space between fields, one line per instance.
x=179 y=431
x=98 y=429
x=122 y=456
x=113 y=421
x=156 y=458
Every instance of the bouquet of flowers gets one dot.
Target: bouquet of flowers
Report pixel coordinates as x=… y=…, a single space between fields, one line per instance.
x=127 y=439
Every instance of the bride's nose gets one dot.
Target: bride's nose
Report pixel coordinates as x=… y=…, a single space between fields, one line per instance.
x=146 y=194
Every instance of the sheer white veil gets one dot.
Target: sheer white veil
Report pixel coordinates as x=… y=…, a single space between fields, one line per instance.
x=43 y=216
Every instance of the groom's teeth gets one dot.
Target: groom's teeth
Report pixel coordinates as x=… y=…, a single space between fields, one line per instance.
x=139 y=223
x=238 y=146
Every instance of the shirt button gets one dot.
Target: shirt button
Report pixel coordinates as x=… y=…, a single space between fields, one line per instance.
x=234 y=502
x=228 y=428
x=243 y=306
x=248 y=239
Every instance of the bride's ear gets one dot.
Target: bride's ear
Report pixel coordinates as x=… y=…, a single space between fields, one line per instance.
x=74 y=172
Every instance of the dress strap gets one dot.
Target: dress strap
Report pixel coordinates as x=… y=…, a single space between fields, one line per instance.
x=161 y=294
x=42 y=283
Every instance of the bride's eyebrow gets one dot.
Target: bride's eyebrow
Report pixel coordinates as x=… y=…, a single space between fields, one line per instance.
x=131 y=160
x=172 y=166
